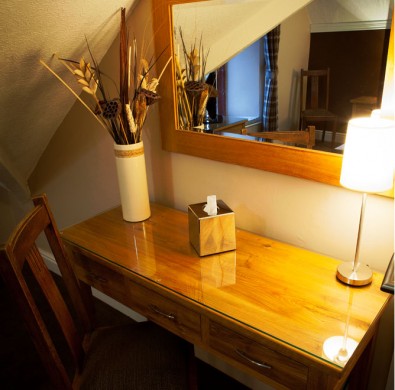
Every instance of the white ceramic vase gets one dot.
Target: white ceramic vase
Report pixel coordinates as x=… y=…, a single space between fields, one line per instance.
x=132 y=180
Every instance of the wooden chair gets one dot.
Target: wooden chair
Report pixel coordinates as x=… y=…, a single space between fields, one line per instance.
x=298 y=137
x=133 y=356
x=314 y=101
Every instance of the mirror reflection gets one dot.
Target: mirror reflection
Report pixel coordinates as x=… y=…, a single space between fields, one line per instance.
x=248 y=75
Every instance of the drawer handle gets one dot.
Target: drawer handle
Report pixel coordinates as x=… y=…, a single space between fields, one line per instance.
x=169 y=316
x=259 y=364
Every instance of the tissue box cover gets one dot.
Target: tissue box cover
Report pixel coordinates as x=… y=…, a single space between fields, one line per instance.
x=211 y=234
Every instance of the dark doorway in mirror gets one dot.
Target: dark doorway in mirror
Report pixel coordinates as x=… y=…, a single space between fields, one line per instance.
x=357 y=60
x=212 y=102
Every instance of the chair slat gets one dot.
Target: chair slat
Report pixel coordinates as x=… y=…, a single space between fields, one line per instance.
x=314 y=101
x=34 y=323
x=57 y=304
x=82 y=302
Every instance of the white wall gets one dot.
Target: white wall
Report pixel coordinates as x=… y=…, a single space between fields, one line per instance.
x=243 y=82
x=12 y=210
x=293 y=55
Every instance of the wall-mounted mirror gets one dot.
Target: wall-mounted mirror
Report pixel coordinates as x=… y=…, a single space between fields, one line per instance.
x=309 y=164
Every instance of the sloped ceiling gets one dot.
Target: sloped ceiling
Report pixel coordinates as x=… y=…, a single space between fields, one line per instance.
x=227 y=27
x=33 y=103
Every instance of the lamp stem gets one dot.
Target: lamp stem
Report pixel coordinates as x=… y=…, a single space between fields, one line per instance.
x=361 y=217
x=355 y=273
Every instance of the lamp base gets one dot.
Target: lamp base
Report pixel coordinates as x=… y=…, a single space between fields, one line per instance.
x=361 y=276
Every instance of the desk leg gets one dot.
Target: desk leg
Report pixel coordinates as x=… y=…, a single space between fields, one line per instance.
x=85 y=309
x=86 y=293
x=320 y=380
x=192 y=368
x=359 y=377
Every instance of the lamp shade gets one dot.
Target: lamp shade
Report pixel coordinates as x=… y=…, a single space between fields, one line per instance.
x=368 y=155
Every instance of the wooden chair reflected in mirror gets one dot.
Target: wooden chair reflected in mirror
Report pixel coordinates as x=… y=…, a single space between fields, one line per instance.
x=137 y=355
x=305 y=138
x=314 y=101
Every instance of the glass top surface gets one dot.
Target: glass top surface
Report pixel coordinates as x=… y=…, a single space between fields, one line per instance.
x=283 y=292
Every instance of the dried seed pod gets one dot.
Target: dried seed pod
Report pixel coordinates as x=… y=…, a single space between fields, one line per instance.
x=79 y=73
x=195 y=86
x=83 y=82
x=150 y=96
x=201 y=108
x=129 y=116
x=144 y=66
x=109 y=109
x=139 y=109
x=86 y=77
x=153 y=84
x=88 y=90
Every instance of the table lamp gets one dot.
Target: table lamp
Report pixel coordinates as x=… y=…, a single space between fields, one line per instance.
x=367 y=167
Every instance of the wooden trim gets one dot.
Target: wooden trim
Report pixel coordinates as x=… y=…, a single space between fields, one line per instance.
x=351 y=26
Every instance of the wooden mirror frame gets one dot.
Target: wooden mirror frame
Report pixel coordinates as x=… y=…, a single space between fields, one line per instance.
x=302 y=163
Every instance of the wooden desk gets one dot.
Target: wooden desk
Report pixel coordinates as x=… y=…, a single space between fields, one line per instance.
x=363 y=106
x=266 y=308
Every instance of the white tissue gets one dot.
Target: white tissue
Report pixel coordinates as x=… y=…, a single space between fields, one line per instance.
x=211 y=207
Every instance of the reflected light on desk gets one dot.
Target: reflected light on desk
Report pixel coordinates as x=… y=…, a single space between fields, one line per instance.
x=339 y=349
x=144 y=250
x=219 y=270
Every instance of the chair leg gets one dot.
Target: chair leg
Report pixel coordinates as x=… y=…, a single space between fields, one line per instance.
x=323 y=131
x=302 y=123
x=334 y=129
x=192 y=369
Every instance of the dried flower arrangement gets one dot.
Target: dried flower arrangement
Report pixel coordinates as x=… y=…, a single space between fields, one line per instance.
x=192 y=90
x=123 y=117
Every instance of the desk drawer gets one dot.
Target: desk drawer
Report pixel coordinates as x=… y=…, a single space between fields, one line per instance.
x=165 y=312
x=101 y=277
x=271 y=364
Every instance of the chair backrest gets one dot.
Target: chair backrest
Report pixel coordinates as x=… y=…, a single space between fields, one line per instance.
x=299 y=137
x=314 y=89
x=21 y=253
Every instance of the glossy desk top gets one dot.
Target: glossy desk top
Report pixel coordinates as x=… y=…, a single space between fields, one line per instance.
x=287 y=293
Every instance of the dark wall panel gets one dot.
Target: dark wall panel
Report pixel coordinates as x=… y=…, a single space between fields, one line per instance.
x=357 y=63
